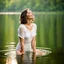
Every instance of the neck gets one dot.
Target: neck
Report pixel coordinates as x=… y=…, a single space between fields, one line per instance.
x=29 y=24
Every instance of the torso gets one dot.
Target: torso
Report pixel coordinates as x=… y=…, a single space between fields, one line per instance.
x=29 y=27
x=28 y=35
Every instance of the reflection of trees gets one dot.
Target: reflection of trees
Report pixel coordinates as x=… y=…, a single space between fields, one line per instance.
x=8 y=29
x=2 y=26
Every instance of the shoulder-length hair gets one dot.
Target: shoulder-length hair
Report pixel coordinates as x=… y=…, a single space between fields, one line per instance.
x=23 y=19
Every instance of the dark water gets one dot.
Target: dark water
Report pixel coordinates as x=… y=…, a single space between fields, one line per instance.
x=51 y=56
x=50 y=36
x=9 y=56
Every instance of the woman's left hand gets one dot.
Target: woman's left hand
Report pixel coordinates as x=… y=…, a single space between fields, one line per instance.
x=19 y=52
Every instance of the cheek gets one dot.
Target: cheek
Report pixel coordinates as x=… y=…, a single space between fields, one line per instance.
x=29 y=14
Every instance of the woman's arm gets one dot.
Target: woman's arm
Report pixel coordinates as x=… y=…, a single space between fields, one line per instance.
x=22 y=45
x=33 y=44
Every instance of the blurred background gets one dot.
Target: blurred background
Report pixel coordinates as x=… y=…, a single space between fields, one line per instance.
x=35 y=5
x=49 y=17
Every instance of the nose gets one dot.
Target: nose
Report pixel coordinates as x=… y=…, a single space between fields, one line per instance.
x=30 y=13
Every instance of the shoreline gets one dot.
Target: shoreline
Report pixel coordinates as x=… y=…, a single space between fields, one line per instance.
x=34 y=12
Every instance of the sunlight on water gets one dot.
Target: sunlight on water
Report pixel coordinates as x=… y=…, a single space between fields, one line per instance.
x=10 y=53
x=11 y=61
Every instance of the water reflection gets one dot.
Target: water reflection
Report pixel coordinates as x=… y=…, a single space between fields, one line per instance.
x=27 y=58
x=8 y=56
x=10 y=53
x=30 y=58
x=11 y=60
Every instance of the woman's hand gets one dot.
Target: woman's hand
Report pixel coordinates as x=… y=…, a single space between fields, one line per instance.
x=19 y=52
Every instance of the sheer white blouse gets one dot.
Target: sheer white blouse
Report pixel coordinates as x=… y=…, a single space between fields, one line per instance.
x=27 y=35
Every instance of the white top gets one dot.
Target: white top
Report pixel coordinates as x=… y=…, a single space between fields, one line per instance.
x=27 y=35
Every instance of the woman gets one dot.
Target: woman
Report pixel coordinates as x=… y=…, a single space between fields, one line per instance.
x=26 y=33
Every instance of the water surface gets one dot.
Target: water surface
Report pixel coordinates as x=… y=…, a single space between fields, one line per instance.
x=50 y=36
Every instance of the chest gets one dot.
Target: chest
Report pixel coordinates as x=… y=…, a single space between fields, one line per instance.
x=28 y=33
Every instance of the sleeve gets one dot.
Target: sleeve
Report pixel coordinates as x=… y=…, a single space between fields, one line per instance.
x=21 y=31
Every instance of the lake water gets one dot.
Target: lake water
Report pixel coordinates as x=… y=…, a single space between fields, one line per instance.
x=50 y=37
x=9 y=56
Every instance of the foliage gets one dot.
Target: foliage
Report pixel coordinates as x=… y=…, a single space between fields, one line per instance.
x=35 y=5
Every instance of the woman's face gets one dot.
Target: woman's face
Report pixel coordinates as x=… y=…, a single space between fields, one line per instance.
x=30 y=16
